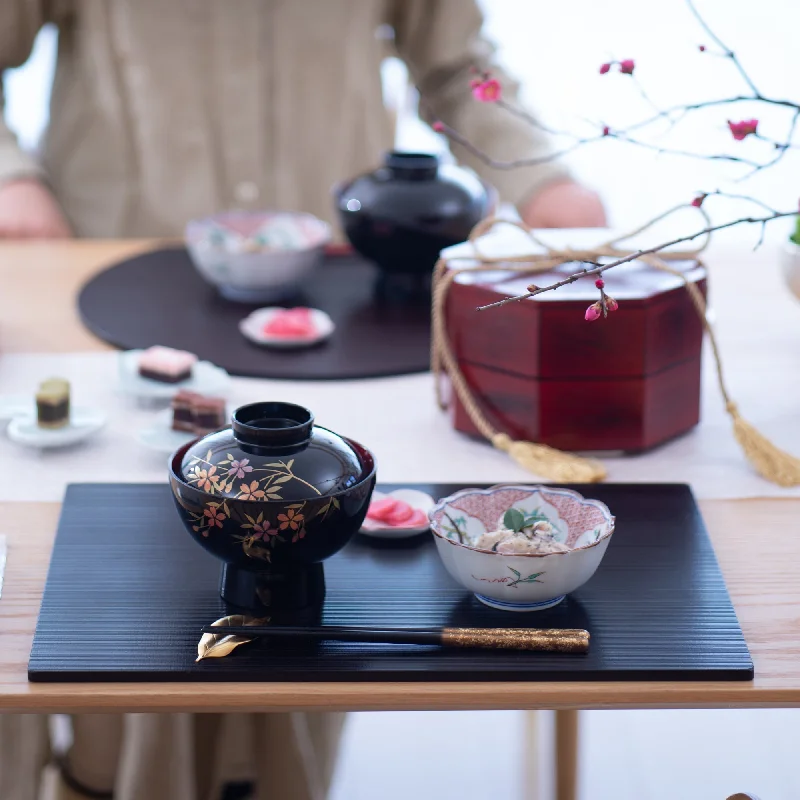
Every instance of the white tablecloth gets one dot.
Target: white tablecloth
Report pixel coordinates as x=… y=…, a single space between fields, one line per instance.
x=758 y=326
x=398 y=419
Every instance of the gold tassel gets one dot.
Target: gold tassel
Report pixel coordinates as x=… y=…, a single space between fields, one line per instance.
x=549 y=462
x=769 y=461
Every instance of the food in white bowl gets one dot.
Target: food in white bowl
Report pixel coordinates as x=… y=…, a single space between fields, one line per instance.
x=521 y=548
x=258 y=256
x=527 y=537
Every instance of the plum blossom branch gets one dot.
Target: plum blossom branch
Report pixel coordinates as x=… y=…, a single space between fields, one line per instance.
x=606 y=133
x=599 y=270
x=488 y=90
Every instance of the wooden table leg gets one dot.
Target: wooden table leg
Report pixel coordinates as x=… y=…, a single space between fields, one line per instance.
x=566 y=755
x=532 y=763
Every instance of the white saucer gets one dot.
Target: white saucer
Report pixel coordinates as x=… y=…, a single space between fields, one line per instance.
x=160 y=436
x=206 y=379
x=83 y=423
x=416 y=499
x=252 y=327
x=18 y=405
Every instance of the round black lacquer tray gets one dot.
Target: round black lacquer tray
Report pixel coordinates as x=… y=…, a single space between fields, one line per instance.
x=159 y=298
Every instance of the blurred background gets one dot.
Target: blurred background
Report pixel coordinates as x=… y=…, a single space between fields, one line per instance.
x=555 y=48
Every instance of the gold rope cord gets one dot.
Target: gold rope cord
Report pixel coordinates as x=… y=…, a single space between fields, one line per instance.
x=769 y=461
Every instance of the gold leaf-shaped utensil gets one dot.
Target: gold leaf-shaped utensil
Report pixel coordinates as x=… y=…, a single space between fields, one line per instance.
x=217 y=645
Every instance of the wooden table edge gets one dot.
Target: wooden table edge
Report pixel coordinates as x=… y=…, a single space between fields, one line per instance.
x=374 y=696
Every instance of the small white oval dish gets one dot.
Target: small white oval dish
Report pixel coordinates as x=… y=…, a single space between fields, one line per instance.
x=252 y=328
x=160 y=436
x=83 y=422
x=206 y=378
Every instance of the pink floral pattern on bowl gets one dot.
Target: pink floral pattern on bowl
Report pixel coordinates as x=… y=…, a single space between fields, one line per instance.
x=577 y=521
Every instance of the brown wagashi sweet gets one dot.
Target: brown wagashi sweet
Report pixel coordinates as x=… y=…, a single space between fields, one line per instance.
x=197 y=413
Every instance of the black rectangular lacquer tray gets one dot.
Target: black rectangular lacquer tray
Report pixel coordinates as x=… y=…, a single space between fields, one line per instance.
x=128 y=592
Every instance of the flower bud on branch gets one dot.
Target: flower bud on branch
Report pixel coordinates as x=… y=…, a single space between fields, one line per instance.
x=592 y=313
x=741 y=130
x=488 y=91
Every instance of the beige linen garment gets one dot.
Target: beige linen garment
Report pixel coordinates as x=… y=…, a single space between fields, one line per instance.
x=172 y=756
x=164 y=110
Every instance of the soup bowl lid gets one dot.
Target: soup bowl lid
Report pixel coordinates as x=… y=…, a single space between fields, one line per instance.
x=273 y=451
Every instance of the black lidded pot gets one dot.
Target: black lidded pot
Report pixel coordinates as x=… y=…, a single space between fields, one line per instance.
x=272 y=496
x=405 y=212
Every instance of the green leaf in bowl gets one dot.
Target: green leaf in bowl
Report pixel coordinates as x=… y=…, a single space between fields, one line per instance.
x=514 y=520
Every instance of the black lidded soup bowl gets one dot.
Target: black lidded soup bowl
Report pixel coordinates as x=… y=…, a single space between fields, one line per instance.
x=272 y=497
x=404 y=213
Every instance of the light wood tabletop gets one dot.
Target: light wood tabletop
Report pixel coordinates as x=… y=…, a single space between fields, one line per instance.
x=755 y=543
x=40 y=284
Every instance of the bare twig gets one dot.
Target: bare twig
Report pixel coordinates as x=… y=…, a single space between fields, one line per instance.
x=554 y=155
x=622 y=136
x=456 y=137
x=646 y=97
x=531 y=120
x=728 y=52
x=761 y=235
x=781 y=151
x=599 y=270
x=746 y=197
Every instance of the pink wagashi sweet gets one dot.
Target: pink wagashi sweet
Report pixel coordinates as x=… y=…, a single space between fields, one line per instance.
x=166 y=365
x=294 y=323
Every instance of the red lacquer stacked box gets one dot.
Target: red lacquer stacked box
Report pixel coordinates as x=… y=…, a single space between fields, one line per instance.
x=540 y=372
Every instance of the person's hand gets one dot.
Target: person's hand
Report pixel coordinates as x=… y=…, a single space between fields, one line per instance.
x=564 y=204
x=29 y=211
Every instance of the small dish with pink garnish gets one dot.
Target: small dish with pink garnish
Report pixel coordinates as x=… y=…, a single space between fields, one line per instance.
x=398 y=514
x=287 y=327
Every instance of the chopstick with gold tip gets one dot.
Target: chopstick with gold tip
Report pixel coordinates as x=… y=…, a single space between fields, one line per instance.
x=554 y=640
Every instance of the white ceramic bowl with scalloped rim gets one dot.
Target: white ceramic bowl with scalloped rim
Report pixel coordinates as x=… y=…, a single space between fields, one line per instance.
x=529 y=581
x=218 y=246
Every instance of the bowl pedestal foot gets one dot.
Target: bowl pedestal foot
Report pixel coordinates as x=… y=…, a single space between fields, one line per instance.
x=504 y=606
x=273 y=590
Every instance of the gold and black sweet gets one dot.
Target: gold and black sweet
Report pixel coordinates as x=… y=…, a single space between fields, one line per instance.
x=52 y=403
